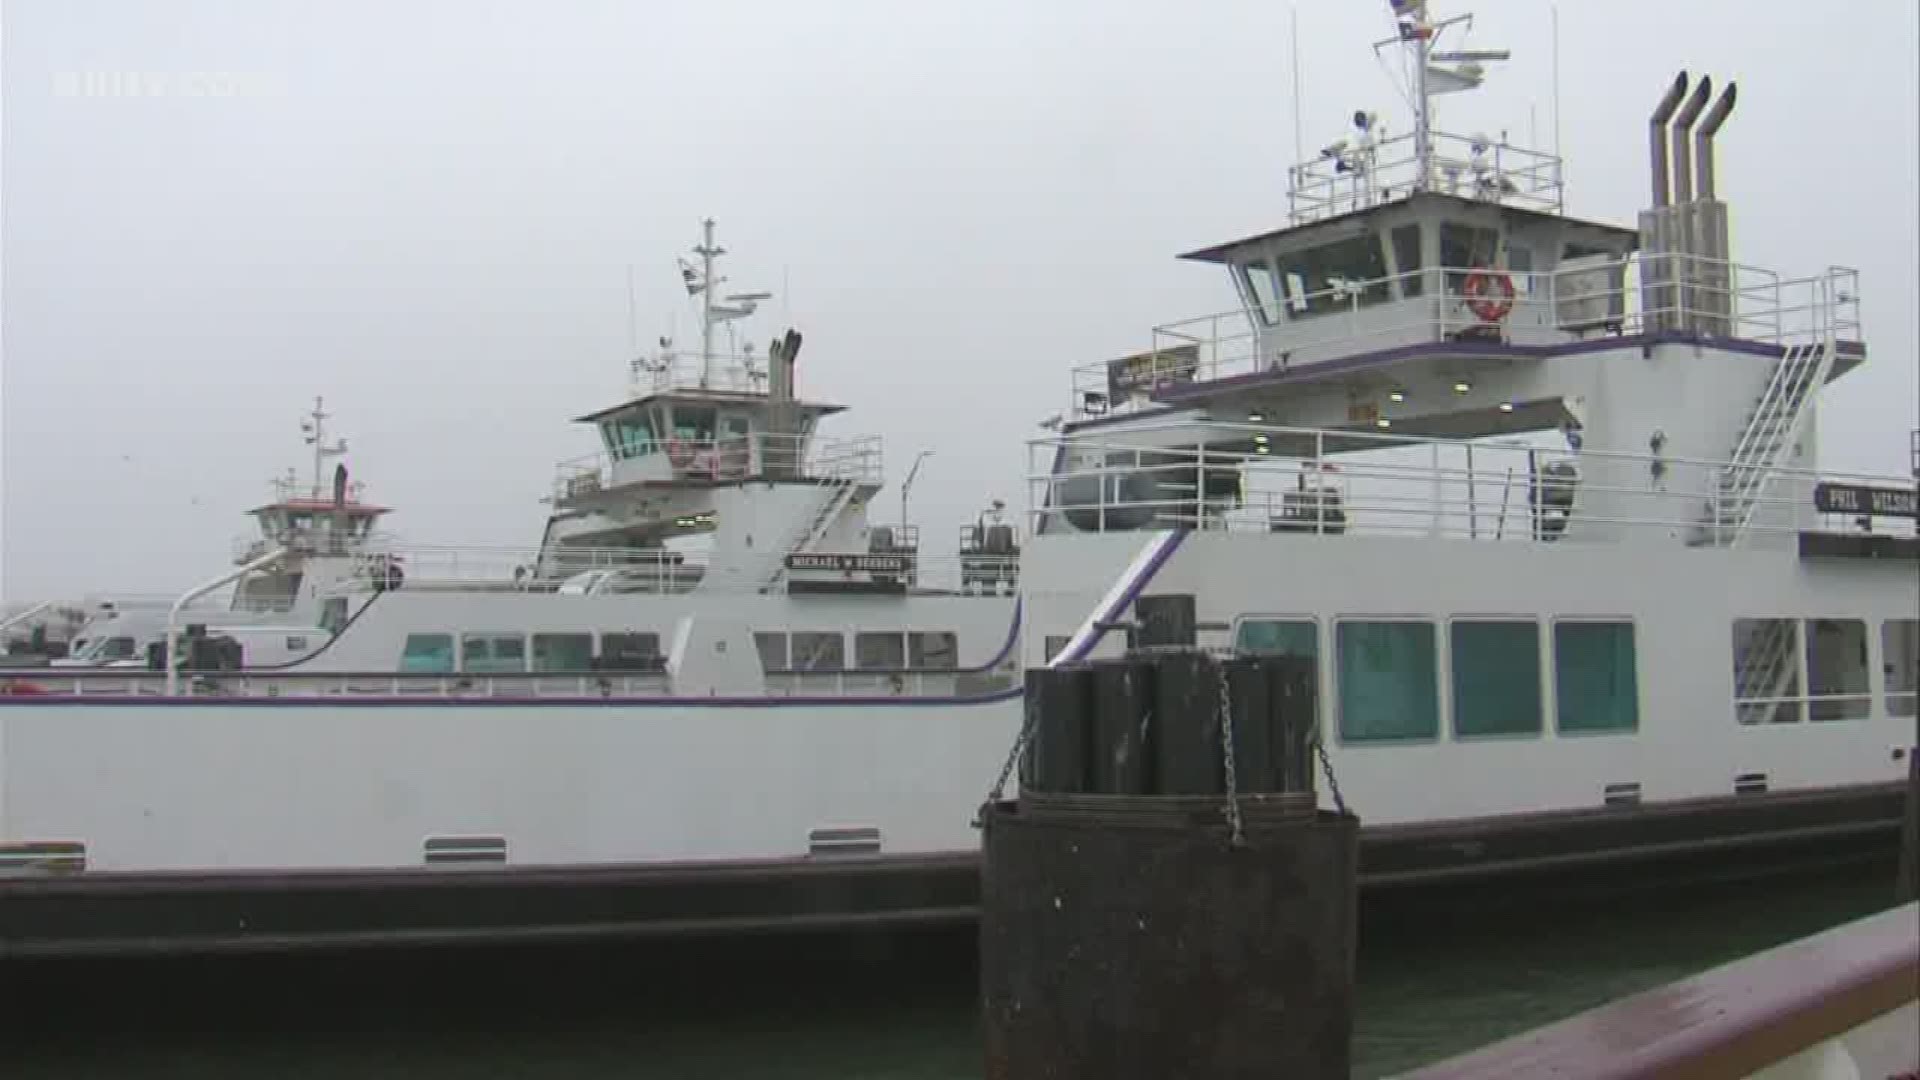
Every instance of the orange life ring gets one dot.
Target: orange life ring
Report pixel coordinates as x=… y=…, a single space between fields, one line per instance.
x=1489 y=295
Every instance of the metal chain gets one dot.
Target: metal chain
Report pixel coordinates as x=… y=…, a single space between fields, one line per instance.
x=1013 y=755
x=1226 y=752
x=1326 y=766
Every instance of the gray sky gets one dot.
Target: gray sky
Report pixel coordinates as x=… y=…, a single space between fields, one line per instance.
x=424 y=211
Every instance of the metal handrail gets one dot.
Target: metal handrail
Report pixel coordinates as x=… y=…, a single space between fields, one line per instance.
x=1749 y=302
x=1797 y=1002
x=1431 y=496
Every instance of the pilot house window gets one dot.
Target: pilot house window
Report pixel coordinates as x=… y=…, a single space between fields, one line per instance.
x=1261 y=290
x=630 y=436
x=1336 y=276
x=1463 y=248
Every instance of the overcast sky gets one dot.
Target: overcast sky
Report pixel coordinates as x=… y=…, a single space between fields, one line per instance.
x=424 y=211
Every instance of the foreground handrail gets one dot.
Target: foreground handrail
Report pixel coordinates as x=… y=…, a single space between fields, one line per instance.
x=1732 y=1021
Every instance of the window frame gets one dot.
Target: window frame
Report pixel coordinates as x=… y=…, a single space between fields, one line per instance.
x=1339 y=706
x=1543 y=683
x=492 y=638
x=533 y=651
x=452 y=653
x=1560 y=730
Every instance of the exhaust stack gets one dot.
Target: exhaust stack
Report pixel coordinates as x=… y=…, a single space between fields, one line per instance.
x=1703 y=141
x=1657 y=136
x=1682 y=150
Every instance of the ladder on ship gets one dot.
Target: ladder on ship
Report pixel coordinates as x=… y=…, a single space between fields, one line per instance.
x=1770 y=431
x=840 y=491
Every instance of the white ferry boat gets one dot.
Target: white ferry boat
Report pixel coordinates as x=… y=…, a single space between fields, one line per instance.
x=1539 y=494
x=311 y=546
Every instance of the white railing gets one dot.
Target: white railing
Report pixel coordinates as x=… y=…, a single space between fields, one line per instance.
x=1359 y=177
x=518 y=568
x=311 y=540
x=680 y=369
x=724 y=460
x=1363 y=483
x=122 y=683
x=1431 y=305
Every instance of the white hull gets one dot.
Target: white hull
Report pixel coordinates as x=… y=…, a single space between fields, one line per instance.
x=252 y=786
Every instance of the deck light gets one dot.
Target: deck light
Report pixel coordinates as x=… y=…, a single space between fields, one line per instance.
x=1461 y=387
x=1506 y=406
x=1383 y=422
x=1397 y=396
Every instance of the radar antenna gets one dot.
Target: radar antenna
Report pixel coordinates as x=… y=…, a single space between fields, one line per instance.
x=702 y=282
x=1433 y=71
x=314 y=427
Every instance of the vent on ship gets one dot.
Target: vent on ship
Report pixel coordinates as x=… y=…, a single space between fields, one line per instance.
x=1627 y=794
x=1750 y=783
x=42 y=856
x=465 y=850
x=861 y=840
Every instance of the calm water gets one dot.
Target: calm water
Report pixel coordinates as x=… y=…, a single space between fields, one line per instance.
x=1432 y=983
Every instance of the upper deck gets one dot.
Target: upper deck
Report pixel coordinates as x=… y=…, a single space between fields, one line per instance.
x=1364 y=326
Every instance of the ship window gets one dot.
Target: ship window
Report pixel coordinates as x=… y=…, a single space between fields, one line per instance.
x=1900 y=657
x=1388 y=676
x=1463 y=247
x=1837 y=667
x=562 y=652
x=1496 y=678
x=818 y=651
x=492 y=653
x=1278 y=637
x=879 y=651
x=1766 y=671
x=694 y=423
x=938 y=649
x=1520 y=264
x=1336 y=276
x=333 y=614
x=1596 y=684
x=1260 y=287
x=427 y=652
x=1406 y=259
x=773 y=650
x=630 y=436
x=634 y=650
x=115 y=648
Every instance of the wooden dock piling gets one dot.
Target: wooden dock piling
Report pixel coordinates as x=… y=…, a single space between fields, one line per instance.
x=1164 y=899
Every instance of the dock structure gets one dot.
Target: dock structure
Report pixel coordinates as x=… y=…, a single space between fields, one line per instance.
x=1163 y=898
